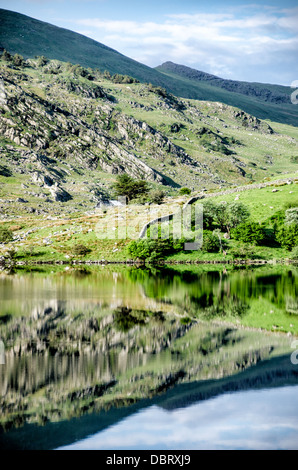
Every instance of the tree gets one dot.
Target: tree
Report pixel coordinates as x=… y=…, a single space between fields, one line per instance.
x=238 y=214
x=18 y=60
x=6 y=56
x=229 y=216
x=42 y=60
x=129 y=187
x=209 y=215
x=6 y=235
x=107 y=75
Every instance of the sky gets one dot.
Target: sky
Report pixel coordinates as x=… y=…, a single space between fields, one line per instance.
x=254 y=419
x=235 y=39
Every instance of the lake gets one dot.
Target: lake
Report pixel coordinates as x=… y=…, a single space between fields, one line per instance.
x=117 y=357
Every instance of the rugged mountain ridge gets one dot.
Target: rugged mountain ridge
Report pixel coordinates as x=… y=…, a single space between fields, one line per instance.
x=264 y=92
x=66 y=132
x=30 y=37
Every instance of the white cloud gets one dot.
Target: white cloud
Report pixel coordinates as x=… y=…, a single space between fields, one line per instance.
x=215 y=43
x=264 y=419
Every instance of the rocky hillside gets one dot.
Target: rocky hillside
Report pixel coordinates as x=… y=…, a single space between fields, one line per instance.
x=66 y=132
x=115 y=358
x=30 y=37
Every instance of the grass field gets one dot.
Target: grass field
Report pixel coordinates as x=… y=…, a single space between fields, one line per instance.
x=54 y=238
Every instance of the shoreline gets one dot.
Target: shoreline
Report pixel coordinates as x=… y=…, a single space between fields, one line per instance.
x=248 y=262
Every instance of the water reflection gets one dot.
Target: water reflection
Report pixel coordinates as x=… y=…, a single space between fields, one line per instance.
x=99 y=339
x=259 y=420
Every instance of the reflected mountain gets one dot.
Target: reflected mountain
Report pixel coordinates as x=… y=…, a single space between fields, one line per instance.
x=84 y=350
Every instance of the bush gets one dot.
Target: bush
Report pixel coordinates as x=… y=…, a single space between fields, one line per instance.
x=184 y=191
x=42 y=60
x=118 y=78
x=243 y=252
x=11 y=254
x=157 y=196
x=6 y=56
x=249 y=232
x=152 y=250
x=80 y=250
x=211 y=242
x=139 y=249
x=6 y=235
x=158 y=90
x=18 y=60
x=287 y=236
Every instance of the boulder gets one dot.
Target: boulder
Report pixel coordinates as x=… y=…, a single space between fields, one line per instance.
x=59 y=194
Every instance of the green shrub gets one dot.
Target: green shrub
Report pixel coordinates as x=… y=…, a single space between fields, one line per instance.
x=287 y=236
x=249 y=232
x=6 y=235
x=42 y=60
x=243 y=252
x=18 y=60
x=211 y=242
x=151 y=250
x=184 y=191
x=185 y=320
x=6 y=56
x=118 y=78
x=80 y=250
x=156 y=196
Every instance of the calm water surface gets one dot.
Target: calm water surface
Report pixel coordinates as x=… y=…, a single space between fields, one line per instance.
x=126 y=358
x=264 y=419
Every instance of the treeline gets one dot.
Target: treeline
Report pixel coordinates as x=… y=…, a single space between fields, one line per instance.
x=118 y=78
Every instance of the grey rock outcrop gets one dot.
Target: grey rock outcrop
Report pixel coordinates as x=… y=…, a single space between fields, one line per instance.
x=59 y=194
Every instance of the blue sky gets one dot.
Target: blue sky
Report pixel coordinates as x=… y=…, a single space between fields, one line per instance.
x=241 y=40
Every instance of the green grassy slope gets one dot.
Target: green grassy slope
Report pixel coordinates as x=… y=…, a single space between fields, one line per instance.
x=29 y=37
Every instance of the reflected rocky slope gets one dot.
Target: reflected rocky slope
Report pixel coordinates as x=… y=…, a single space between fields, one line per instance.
x=66 y=358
